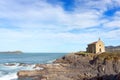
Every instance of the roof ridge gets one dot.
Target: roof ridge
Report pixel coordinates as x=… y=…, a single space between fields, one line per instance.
x=93 y=42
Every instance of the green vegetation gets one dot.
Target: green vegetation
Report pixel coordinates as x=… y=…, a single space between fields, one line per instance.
x=109 y=56
x=81 y=52
x=84 y=53
x=102 y=56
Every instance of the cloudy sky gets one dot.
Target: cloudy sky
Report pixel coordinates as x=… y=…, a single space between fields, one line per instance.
x=57 y=25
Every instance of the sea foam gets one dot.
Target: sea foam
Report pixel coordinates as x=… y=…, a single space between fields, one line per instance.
x=8 y=71
x=11 y=76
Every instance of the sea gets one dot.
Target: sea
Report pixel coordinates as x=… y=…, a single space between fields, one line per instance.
x=11 y=63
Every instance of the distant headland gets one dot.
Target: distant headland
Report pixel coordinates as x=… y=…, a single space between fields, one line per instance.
x=16 y=52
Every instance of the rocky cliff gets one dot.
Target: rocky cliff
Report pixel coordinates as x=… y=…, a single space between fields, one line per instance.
x=78 y=66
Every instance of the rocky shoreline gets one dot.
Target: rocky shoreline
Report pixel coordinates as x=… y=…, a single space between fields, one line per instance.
x=77 y=66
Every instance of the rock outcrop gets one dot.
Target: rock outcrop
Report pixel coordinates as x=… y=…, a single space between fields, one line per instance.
x=77 y=66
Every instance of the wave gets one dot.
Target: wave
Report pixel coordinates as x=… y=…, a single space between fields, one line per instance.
x=10 y=76
x=51 y=61
x=8 y=71
x=2 y=73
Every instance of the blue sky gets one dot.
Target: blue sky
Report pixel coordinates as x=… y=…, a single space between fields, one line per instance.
x=57 y=25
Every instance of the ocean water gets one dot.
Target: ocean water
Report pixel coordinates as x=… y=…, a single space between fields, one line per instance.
x=10 y=64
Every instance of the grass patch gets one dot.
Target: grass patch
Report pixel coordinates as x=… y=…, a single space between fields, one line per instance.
x=109 y=56
x=81 y=53
x=84 y=53
x=102 y=56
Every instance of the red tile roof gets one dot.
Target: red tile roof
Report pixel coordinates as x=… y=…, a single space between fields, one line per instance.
x=93 y=43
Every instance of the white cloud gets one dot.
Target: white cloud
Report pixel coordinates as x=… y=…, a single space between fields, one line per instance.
x=114 y=21
x=43 y=13
x=101 y=5
x=113 y=24
x=40 y=23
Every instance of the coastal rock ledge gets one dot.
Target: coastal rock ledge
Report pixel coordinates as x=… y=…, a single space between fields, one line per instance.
x=77 y=66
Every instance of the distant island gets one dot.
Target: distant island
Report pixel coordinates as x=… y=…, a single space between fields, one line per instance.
x=16 y=52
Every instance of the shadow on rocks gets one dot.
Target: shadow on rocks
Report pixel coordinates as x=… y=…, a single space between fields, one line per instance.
x=105 y=77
